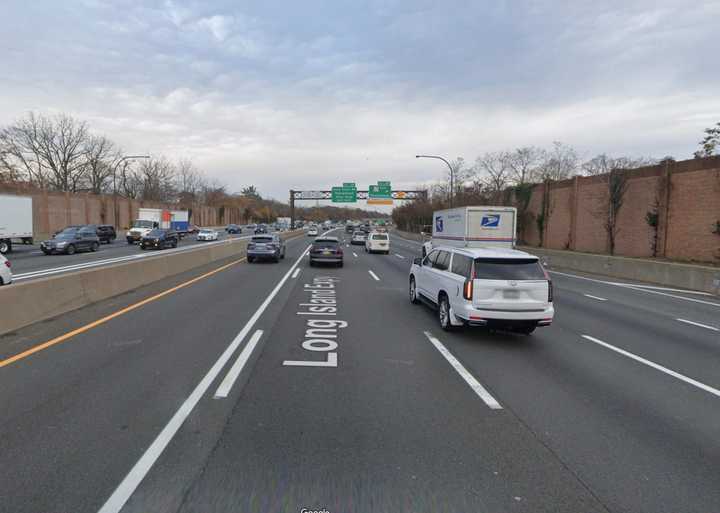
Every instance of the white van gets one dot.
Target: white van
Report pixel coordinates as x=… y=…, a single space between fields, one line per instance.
x=377 y=242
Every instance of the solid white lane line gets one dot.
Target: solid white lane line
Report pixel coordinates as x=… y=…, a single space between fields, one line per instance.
x=375 y=277
x=133 y=479
x=643 y=288
x=295 y=274
x=399 y=256
x=224 y=389
x=698 y=324
x=354 y=254
x=681 y=377
x=595 y=297
x=464 y=374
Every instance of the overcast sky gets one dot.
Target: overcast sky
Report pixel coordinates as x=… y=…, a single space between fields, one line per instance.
x=308 y=94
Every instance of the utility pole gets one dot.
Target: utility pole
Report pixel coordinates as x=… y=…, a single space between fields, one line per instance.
x=452 y=173
x=115 y=209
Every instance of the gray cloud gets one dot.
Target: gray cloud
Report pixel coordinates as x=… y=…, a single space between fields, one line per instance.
x=307 y=94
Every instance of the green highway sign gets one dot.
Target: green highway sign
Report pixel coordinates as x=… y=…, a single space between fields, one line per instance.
x=349 y=185
x=383 y=190
x=344 y=194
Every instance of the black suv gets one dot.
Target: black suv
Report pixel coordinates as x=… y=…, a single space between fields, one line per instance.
x=261 y=228
x=160 y=238
x=71 y=240
x=233 y=228
x=106 y=233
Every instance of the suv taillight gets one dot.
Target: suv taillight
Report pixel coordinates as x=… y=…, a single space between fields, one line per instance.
x=550 y=291
x=7 y=263
x=468 y=290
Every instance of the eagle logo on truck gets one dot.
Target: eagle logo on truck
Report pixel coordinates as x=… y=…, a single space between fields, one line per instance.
x=490 y=221
x=438 y=224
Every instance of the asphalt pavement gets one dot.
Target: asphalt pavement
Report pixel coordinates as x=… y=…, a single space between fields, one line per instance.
x=29 y=262
x=277 y=387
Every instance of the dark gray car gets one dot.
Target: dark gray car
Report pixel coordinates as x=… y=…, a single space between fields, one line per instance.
x=71 y=241
x=269 y=246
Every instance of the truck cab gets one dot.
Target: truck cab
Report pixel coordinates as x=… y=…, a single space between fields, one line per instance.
x=139 y=229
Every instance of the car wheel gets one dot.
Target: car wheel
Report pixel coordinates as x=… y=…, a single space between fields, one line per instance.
x=130 y=242
x=412 y=291
x=444 y=314
x=94 y=246
x=70 y=250
x=340 y=264
x=4 y=247
x=175 y=243
x=250 y=260
x=312 y=264
x=46 y=251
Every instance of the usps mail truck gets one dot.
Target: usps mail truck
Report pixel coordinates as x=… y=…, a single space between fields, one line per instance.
x=474 y=227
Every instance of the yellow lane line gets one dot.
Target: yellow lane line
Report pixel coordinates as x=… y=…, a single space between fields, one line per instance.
x=87 y=327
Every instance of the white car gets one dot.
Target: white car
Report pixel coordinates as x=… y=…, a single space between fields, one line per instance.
x=205 y=234
x=497 y=288
x=5 y=272
x=358 y=237
x=313 y=231
x=377 y=242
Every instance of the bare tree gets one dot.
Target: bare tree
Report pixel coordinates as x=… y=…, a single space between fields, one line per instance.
x=523 y=163
x=603 y=164
x=189 y=182
x=158 y=180
x=558 y=164
x=61 y=143
x=20 y=153
x=617 y=181
x=101 y=156
x=493 y=170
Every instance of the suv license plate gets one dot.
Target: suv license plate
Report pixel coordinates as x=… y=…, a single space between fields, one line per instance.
x=511 y=294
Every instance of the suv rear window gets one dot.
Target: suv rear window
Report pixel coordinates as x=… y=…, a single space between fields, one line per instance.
x=262 y=239
x=380 y=236
x=325 y=244
x=508 y=269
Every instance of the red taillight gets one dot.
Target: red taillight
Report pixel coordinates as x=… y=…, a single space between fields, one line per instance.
x=7 y=263
x=468 y=289
x=550 y=291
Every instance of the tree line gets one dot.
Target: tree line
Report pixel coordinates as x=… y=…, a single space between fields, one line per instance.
x=508 y=177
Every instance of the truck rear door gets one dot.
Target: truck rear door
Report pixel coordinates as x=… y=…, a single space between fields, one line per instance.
x=494 y=228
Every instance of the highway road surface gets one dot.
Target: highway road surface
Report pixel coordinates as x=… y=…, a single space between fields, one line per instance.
x=28 y=262
x=236 y=393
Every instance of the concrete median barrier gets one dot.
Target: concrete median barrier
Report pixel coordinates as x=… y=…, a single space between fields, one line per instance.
x=29 y=302
x=671 y=274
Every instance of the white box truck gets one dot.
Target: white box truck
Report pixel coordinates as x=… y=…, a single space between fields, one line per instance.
x=474 y=227
x=16 y=221
x=149 y=218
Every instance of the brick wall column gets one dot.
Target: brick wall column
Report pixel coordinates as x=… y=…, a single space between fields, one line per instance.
x=574 y=211
x=664 y=207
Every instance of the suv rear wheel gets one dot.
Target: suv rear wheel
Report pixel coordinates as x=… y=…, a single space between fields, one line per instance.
x=70 y=249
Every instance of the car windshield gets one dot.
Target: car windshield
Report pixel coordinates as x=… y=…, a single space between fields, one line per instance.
x=140 y=223
x=508 y=269
x=207 y=232
x=156 y=233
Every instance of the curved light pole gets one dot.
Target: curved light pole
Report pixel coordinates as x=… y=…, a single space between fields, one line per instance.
x=117 y=164
x=452 y=173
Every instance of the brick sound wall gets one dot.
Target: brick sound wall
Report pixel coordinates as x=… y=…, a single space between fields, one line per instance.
x=685 y=194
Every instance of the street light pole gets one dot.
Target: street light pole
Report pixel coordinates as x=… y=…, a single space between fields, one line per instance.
x=452 y=173
x=115 y=167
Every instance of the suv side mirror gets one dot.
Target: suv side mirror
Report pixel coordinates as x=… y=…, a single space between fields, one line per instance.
x=417 y=261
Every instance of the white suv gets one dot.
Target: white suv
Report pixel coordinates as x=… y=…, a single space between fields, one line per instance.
x=497 y=288
x=379 y=242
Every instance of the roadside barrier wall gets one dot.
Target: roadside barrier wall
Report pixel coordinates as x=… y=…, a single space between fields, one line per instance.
x=25 y=303
x=670 y=274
